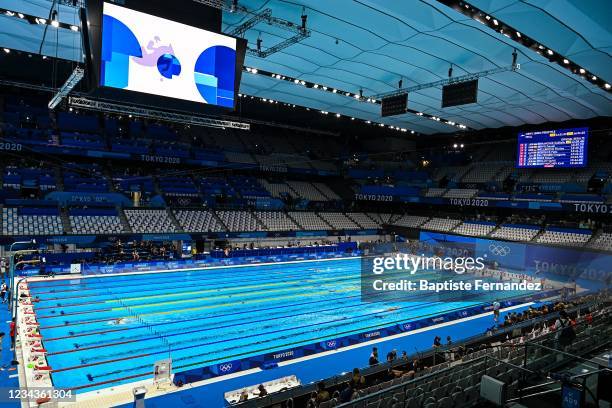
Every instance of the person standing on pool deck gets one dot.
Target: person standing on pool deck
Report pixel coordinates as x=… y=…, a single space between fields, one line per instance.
x=373 y=357
x=496 y=307
x=3 y=290
x=12 y=333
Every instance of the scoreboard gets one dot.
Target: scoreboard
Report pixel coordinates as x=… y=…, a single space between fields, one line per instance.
x=553 y=148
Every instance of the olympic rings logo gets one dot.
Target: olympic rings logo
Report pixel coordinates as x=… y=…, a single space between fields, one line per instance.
x=499 y=250
x=225 y=367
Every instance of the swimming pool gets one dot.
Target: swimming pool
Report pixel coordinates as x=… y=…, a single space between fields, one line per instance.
x=104 y=331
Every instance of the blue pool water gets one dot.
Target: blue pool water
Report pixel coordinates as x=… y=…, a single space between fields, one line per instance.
x=105 y=331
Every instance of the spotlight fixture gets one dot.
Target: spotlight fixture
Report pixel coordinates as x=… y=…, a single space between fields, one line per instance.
x=507 y=30
x=74 y=28
x=607 y=86
x=54 y=21
x=6 y=50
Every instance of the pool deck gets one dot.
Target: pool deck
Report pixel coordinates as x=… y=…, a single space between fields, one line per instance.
x=209 y=393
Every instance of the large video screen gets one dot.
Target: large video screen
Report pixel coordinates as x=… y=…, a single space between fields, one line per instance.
x=144 y=53
x=553 y=148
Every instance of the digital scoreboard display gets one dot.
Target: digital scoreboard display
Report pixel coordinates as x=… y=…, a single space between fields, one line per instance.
x=561 y=148
x=144 y=53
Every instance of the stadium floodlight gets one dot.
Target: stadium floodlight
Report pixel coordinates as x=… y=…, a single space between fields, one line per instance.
x=54 y=20
x=71 y=82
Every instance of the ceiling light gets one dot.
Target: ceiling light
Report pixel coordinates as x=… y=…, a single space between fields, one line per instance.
x=495 y=22
x=41 y=21
x=20 y=15
x=356 y=96
x=368 y=122
x=412 y=131
x=518 y=34
x=337 y=115
x=462 y=145
x=303 y=82
x=315 y=86
x=607 y=86
x=74 y=28
x=335 y=90
x=594 y=78
x=9 y=13
x=582 y=70
x=455 y=145
x=55 y=23
x=565 y=61
x=352 y=118
x=550 y=52
x=6 y=50
x=254 y=70
x=325 y=88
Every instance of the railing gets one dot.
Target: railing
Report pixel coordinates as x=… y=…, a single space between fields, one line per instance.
x=471 y=356
x=510 y=363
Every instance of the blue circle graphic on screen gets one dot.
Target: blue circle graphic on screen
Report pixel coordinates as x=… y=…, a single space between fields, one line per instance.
x=168 y=65
x=214 y=75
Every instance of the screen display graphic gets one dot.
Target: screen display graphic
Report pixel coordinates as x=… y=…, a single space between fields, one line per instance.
x=149 y=54
x=553 y=148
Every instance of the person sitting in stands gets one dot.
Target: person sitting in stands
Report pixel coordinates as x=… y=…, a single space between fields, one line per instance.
x=357 y=381
x=261 y=391
x=244 y=396
x=437 y=342
x=322 y=393
x=347 y=393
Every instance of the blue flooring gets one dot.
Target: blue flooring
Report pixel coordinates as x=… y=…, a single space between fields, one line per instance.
x=6 y=370
x=211 y=395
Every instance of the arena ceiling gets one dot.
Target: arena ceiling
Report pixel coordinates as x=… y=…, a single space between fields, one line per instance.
x=371 y=44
